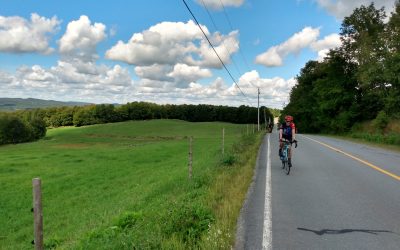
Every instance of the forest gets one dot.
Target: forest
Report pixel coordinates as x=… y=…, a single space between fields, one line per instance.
x=357 y=82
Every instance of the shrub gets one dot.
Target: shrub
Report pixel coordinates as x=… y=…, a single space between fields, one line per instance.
x=13 y=129
x=381 y=121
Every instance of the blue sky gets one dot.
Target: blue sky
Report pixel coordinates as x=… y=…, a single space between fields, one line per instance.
x=87 y=50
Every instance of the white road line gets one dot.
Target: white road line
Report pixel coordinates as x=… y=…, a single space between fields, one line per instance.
x=267 y=232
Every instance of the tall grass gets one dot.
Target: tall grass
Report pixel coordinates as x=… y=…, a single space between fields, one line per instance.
x=371 y=132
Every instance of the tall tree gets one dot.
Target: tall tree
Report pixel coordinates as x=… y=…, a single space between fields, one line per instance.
x=392 y=63
x=364 y=44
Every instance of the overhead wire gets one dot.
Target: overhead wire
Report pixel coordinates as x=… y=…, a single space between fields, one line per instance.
x=240 y=50
x=212 y=46
x=223 y=43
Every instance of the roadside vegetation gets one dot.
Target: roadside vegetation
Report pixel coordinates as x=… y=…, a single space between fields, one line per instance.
x=355 y=90
x=125 y=186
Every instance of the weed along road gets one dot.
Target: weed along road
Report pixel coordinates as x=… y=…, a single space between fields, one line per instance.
x=339 y=195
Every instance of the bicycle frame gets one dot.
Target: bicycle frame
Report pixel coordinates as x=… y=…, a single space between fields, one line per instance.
x=285 y=153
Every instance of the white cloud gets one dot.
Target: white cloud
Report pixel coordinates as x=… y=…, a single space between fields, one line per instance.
x=275 y=55
x=5 y=78
x=216 y=4
x=323 y=46
x=67 y=81
x=274 y=92
x=343 y=8
x=18 y=35
x=164 y=43
x=81 y=38
x=174 y=54
x=184 y=74
x=172 y=43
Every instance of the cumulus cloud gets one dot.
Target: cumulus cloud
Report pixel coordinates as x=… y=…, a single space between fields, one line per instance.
x=323 y=46
x=18 y=35
x=175 y=42
x=343 y=8
x=274 y=92
x=307 y=38
x=183 y=73
x=175 y=52
x=81 y=38
x=275 y=55
x=5 y=78
x=77 y=75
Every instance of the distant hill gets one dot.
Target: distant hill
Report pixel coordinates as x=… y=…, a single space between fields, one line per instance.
x=12 y=104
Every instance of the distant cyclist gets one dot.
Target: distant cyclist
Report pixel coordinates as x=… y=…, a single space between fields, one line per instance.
x=287 y=131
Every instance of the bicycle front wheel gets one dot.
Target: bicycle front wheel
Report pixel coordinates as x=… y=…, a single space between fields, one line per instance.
x=287 y=168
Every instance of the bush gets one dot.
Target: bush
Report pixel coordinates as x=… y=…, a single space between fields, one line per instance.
x=381 y=121
x=13 y=129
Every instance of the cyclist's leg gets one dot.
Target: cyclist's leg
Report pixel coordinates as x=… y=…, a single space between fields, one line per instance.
x=290 y=156
x=280 y=148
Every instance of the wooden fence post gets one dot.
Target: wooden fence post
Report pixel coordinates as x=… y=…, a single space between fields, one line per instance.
x=190 y=157
x=37 y=213
x=223 y=141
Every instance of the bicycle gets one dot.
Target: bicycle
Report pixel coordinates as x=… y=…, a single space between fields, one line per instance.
x=285 y=155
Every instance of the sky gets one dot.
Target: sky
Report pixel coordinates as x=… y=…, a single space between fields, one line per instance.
x=124 y=51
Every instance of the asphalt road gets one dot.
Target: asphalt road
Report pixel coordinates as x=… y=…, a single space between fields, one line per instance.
x=339 y=195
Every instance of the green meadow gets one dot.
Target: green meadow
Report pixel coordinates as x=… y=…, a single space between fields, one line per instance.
x=125 y=186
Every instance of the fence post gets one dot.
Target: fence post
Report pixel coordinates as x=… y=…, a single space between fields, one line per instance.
x=190 y=157
x=223 y=141
x=37 y=213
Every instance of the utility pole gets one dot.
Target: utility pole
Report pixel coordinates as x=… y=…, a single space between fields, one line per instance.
x=258 y=110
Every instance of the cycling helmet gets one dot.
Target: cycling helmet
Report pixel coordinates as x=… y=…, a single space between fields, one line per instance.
x=289 y=118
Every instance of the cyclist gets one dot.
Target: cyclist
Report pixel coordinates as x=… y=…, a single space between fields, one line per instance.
x=287 y=131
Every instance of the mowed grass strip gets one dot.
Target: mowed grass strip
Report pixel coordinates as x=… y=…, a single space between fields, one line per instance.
x=114 y=186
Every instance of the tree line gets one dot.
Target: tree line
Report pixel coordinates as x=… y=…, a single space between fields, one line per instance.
x=358 y=81
x=29 y=125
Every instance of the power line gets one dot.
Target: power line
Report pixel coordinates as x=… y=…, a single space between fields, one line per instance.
x=230 y=25
x=223 y=43
x=223 y=64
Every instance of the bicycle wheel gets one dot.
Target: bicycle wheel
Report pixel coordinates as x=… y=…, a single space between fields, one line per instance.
x=287 y=168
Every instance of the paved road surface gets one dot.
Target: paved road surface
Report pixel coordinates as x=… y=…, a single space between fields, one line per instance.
x=339 y=195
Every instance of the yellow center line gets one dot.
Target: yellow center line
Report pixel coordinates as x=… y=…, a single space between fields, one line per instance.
x=357 y=159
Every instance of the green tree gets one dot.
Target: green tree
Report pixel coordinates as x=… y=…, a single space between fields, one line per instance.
x=364 y=44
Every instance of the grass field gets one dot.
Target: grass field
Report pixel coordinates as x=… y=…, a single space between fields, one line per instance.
x=124 y=185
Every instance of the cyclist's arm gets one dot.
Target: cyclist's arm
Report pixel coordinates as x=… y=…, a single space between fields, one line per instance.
x=294 y=135
x=280 y=133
